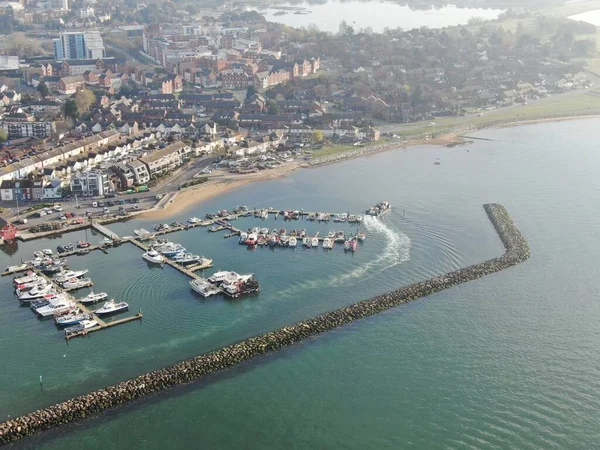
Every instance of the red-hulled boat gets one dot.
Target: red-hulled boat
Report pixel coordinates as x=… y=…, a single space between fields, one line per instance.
x=8 y=233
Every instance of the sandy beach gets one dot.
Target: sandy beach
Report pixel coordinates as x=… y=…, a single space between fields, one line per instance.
x=186 y=198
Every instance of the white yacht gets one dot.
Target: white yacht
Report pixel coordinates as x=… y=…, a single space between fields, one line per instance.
x=63 y=276
x=70 y=319
x=93 y=298
x=293 y=242
x=111 y=307
x=204 y=288
x=222 y=276
x=81 y=326
x=76 y=283
x=306 y=242
x=17 y=268
x=59 y=306
x=243 y=238
x=314 y=242
x=152 y=256
x=194 y=220
x=36 y=292
x=47 y=252
x=328 y=243
x=31 y=276
x=38 y=281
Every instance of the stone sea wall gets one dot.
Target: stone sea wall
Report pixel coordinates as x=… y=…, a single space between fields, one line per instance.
x=191 y=369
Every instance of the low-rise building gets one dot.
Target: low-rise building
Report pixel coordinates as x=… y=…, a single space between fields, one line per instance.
x=140 y=172
x=90 y=183
x=166 y=159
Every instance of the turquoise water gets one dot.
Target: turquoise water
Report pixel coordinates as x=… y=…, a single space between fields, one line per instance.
x=508 y=361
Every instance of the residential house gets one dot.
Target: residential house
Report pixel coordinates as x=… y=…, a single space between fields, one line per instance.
x=69 y=85
x=53 y=190
x=140 y=172
x=90 y=183
x=166 y=159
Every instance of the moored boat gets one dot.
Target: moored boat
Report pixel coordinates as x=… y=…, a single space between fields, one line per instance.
x=81 y=326
x=111 y=307
x=17 y=268
x=242 y=285
x=350 y=245
x=293 y=242
x=70 y=319
x=204 y=288
x=152 y=256
x=194 y=220
x=314 y=242
x=328 y=243
x=35 y=293
x=69 y=274
x=93 y=297
x=77 y=283
x=306 y=242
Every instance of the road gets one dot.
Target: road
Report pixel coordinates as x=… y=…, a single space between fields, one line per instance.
x=147 y=199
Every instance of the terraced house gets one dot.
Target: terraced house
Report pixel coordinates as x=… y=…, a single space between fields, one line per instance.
x=167 y=159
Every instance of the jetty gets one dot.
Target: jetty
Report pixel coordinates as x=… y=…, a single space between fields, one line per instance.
x=81 y=407
x=101 y=323
x=105 y=231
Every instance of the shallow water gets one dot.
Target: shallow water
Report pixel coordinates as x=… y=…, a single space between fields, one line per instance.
x=507 y=361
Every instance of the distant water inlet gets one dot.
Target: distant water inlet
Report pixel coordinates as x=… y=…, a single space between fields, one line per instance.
x=192 y=369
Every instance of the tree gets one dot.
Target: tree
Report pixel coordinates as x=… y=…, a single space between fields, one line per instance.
x=250 y=91
x=317 y=136
x=272 y=107
x=84 y=99
x=128 y=89
x=70 y=109
x=43 y=89
x=20 y=45
x=3 y=135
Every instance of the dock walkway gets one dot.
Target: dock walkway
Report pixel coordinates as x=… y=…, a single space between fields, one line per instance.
x=105 y=231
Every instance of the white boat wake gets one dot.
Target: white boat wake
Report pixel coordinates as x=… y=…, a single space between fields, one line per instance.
x=396 y=251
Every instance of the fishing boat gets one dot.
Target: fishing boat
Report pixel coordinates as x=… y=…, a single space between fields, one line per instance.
x=194 y=220
x=252 y=240
x=64 y=320
x=17 y=268
x=152 y=256
x=379 y=209
x=76 y=283
x=35 y=293
x=293 y=242
x=242 y=285
x=69 y=274
x=243 y=238
x=328 y=243
x=93 y=298
x=306 y=242
x=111 y=307
x=8 y=233
x=204 y=288
x=83 y=244
x=314 y=242
x=81 y=326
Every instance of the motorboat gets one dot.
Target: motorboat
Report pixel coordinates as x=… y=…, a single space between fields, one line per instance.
x=264 y=214
x=141 y=232
x=188 y=258
x=352 y=218
x=170 y=250
x=241 y=285
x=35 y=293
x=17 y=268
x=204 y=288
x=311 y=217
x=31 y=276
x=361 y=236
x=111 y=307
x=93 y=298
x=328 y=243
x=81 y=327
x=302 y=233
x=252 y=240
x=58 y=306
x=221 y=276
x=39 y=281
x=152 y=256
x=64 y=248
x=379 y=209
x=243 y=238
x=194 y=220
x=82 y=251
x=47 y=252
x=292 y=242
x=331 y=234
x=264 y=231
x=306 y=242
x=314 y=242
x=77 y=283
x=83 y=244
x=68 y=274
x=72 y=318
x=53 y=269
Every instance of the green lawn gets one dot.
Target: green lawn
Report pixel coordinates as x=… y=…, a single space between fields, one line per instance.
x=333 y=149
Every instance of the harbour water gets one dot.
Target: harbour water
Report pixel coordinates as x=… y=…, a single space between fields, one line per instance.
x=507 y=361
x=375 y=15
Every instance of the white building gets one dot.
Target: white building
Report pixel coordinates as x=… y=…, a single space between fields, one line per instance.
x=90 y=183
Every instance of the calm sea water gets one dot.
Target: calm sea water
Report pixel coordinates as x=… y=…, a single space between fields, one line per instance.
x=376 y=15
x=507 y=361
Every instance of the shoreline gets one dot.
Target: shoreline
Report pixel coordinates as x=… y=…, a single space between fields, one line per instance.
x=195 y=195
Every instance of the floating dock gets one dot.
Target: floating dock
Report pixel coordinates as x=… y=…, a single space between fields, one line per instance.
x=101 y=323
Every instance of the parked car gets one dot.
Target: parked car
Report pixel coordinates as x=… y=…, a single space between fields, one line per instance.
x=110 y=203
x=106 y=210
x=136 y=200
x=100 y=204
x=135 y=207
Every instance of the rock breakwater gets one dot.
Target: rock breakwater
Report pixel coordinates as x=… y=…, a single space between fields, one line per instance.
x=191 y=369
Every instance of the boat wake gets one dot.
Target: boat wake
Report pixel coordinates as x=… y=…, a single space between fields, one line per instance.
x=396 y=251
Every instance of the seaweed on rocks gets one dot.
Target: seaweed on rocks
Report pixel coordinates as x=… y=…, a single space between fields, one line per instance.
x=191 y=369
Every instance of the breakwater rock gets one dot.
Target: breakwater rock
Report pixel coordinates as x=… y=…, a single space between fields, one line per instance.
x=191 y=369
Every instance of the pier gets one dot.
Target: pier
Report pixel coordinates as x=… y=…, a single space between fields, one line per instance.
x=105 y=231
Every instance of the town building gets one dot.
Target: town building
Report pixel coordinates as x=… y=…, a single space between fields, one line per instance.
x=79 y=45
x=90 y=183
